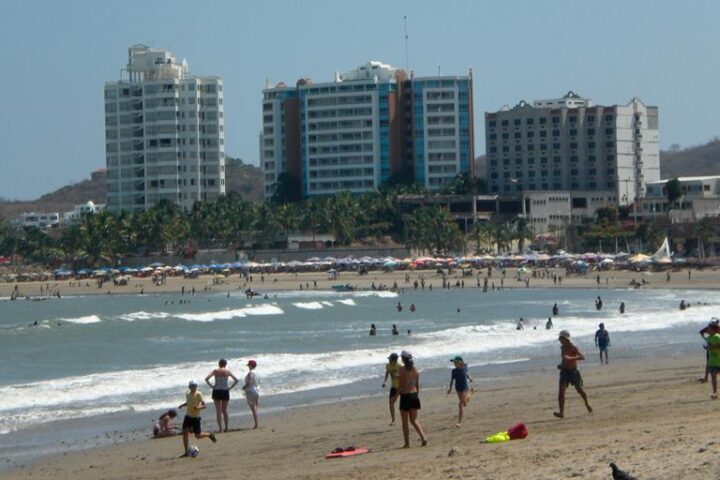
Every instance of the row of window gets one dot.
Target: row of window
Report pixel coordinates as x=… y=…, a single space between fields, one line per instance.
x=518 y=122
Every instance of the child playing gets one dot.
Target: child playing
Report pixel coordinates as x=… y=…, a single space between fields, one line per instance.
x=162 y=427
x=192 y=422
x=460 y=377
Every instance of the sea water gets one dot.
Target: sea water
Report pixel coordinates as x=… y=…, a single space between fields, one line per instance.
x=93 y=367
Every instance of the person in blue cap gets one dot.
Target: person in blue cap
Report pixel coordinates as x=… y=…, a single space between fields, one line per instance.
x=460 y=377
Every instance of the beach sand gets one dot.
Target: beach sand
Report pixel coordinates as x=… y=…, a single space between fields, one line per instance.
x=651 y=417
x=708 y=278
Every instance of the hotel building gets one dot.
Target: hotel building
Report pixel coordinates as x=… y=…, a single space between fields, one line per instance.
x=604 y=153
x=373 y=122
x=164 y=136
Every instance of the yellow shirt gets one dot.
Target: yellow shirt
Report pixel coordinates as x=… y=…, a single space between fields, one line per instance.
x=194 y=401
x=393 y=369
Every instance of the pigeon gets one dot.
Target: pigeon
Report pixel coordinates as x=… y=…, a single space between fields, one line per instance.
x=618 y=474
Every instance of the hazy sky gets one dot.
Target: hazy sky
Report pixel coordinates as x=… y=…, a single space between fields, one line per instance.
x=56 y=55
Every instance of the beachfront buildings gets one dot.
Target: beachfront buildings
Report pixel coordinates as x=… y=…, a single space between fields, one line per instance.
x=164 y=136
x=700 y=198
x=603 y=154
x=369 y=124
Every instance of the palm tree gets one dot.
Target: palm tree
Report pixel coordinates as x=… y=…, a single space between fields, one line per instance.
x=522 y=232
x=704 y=231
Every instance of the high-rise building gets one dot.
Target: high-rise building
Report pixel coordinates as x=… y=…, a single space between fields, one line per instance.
x=367 y=125
x=164 y=136
x=570 y=144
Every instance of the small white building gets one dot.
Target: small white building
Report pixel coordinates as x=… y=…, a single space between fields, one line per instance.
x=76 y=214
x=39 y=220
x=700 y=198
x=562 y=208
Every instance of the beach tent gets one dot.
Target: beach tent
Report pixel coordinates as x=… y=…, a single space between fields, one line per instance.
x=639 y=258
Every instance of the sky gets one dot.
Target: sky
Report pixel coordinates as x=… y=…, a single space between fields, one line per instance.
x=56 y=57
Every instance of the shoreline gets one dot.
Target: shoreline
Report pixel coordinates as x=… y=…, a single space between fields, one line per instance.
x=702 y=279
x=651 y=417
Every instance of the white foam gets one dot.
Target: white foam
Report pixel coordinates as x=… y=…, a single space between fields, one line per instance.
x=81 y=320
x=347 y=301
x=309 y=305
x=131 y=317
x=265 y=309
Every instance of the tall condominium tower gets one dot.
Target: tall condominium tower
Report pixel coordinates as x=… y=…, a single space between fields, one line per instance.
x=164 y=135
x=571 y=144
x=367 y=125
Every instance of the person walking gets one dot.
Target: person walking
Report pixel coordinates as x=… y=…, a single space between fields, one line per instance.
x=252 y=395
x=221 y=392
x=192 y=421
x=460 y=377
x=569 y=373
x=705 y=333
x=602 y=341
x=713 y=357
x=392 y=370
x=409 y=389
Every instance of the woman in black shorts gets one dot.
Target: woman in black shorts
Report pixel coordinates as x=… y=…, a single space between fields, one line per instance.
x=221 y=392
x=409 y=381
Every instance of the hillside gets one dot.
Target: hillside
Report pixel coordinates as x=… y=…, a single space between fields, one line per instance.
x=239 y=177
x=698 y=160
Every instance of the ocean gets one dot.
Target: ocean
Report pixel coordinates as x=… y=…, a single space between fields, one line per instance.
x=90 y=370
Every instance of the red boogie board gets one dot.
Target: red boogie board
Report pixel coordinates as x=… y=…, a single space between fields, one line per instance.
x=357 y=451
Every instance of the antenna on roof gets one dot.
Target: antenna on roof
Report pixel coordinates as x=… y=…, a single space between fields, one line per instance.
x=407 y=62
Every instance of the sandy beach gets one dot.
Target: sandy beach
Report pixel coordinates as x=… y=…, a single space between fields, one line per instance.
x=707 y=278
x=651 y=417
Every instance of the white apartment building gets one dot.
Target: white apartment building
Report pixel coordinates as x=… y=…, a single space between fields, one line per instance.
x=553 y=210
x=570 y=144
x=700 y=198
x=164 y=133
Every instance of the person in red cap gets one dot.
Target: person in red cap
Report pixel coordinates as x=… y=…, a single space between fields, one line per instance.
x=251 y=391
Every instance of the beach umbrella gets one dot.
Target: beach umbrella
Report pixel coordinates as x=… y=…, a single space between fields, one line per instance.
x=146 y=269
x=156 y=264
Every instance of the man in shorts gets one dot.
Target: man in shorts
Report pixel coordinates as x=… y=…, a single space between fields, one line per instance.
x=569 y=373
x=192 y=422
x=391 y=370
x=602 y=341
x=713 y=362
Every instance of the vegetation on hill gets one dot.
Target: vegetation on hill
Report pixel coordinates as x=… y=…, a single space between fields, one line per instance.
x=247 y=180
x=692 y=161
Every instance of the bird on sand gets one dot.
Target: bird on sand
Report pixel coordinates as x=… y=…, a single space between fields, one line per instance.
x=618 y=474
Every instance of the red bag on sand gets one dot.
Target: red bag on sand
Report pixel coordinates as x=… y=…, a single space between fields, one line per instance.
x=517 y=431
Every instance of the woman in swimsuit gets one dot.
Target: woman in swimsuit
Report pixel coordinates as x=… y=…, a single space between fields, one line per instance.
x=409 y=386
x=221 y=392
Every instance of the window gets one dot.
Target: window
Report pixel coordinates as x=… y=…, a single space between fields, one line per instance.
x=591 y=131
x=518 y=135
x=542 y=121
x=573 y=132
x=555 y=120
x=556 y=133
x=590 y=118
x=529 y=121
x=572 y=119
x=517 y=122
x=505 y=123
x=491 y=123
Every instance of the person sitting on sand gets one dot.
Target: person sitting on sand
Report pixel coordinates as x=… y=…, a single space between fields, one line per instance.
x=163 y=427
x=569 y=373
x=221 y=392
x=391 y=370
x=460 y=377
x=409 y=389
x=252 y=395
x=192 y=421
